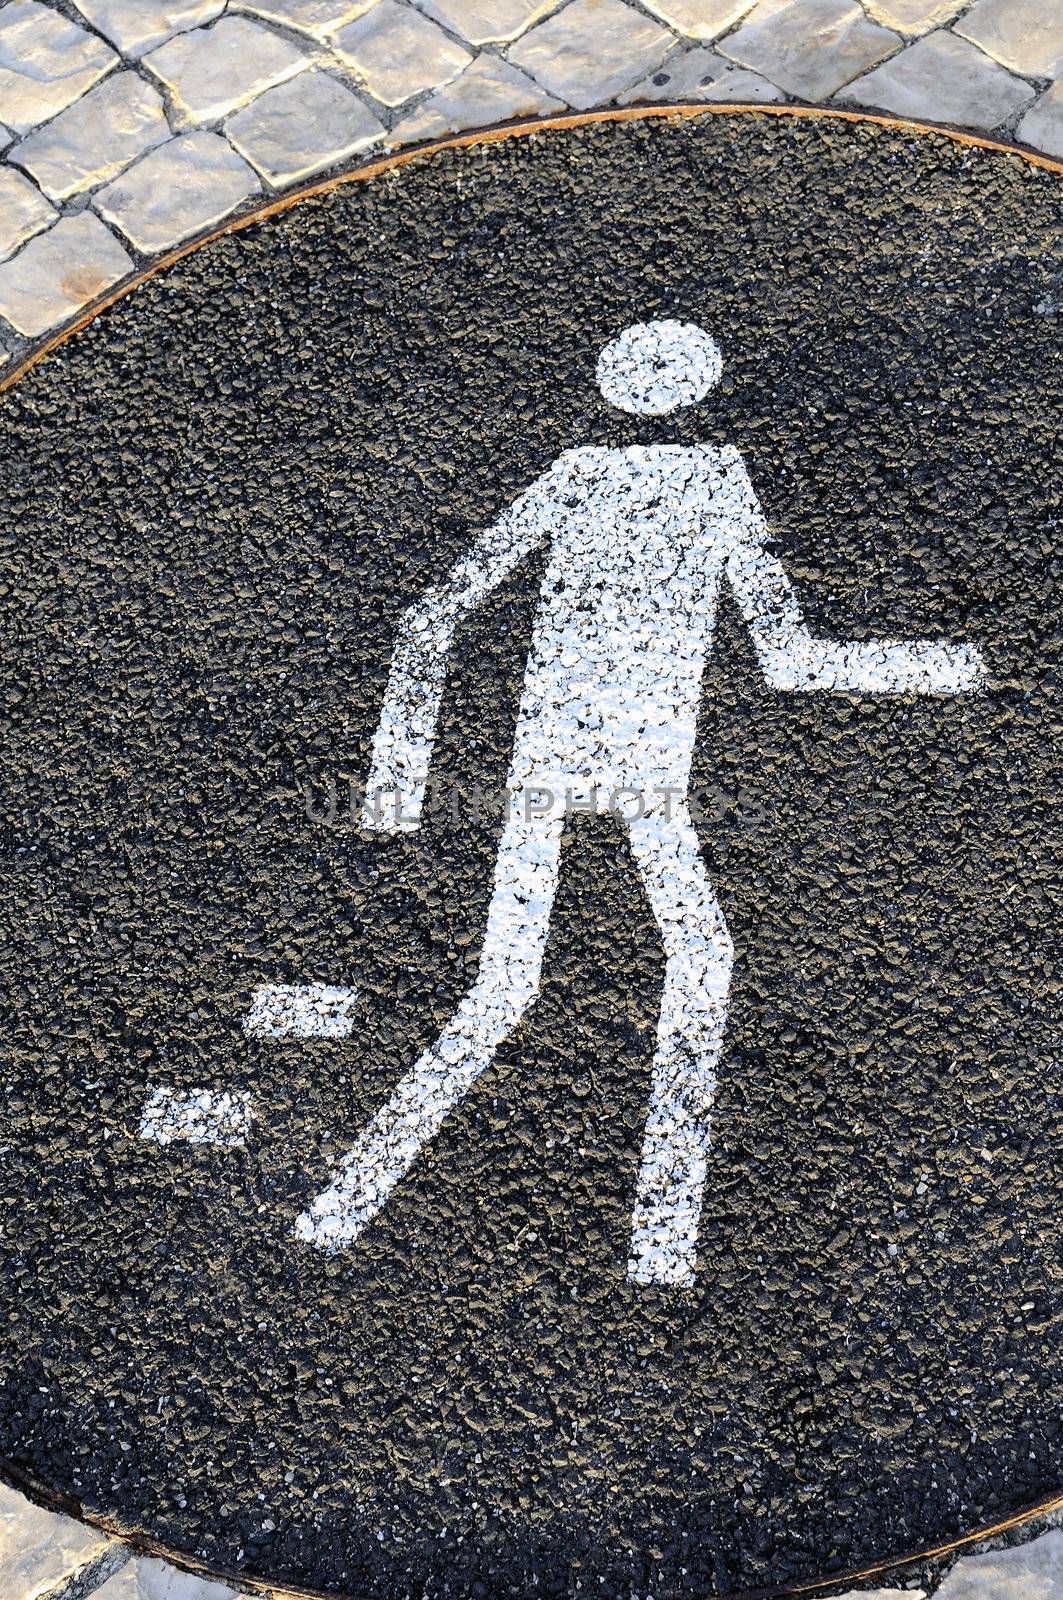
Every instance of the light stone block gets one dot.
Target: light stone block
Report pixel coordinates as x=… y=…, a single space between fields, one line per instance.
x=1042 y=126
x=1031 y=1571
x=144 y=1579
x=700 y=19
x=46 y=63
x=490 y=90
x=57 y=274
x=700 y=74
x=213 y=70
x=23 y=211
x=39 y=1548
x=315 y=17
x=488 y=21
x=913 y=16
x=95 y=138
x=809 y=48
x=180 y=189
x=1026 y=35
x=139 y=25
x=943 y=79
x=397 y=52
x=591 y=51
x=302 y=126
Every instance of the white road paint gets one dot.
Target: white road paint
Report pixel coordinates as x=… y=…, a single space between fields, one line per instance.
x=300 y=1011
x=655 y=367
x=640 y=542
x=201 y=1116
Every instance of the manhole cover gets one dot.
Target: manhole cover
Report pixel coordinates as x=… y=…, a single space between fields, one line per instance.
x=533 y=872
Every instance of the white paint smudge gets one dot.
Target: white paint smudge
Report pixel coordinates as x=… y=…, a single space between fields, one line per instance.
x=640 y=541
x=202 y=1116
x=300 y=1011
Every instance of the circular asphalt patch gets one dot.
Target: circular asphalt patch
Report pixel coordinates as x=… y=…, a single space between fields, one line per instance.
x=534 y=1192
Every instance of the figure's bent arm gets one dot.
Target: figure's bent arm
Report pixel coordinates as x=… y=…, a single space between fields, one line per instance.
x=402 y=744
x=792 y=658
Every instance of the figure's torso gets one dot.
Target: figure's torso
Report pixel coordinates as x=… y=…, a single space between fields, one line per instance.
x=626 y=611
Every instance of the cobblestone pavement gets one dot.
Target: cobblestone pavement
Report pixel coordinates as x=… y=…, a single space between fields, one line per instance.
x=129 y=127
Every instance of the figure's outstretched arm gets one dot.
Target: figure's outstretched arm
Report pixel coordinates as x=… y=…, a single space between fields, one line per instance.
x=402 y=744
x=792 y=658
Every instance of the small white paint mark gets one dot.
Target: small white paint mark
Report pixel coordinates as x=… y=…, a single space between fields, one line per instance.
x=300 y=1011
x=202 y=1116
x=655 y=367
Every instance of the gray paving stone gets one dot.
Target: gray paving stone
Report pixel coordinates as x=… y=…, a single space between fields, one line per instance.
x=913 y=16
x=139 y=25
x=943 y=79
x=37 y=1548
x=488 y=21
x=397 y=52
x=490 y=90
x=809 y=47
x=700 y=19
x=143 y=1579
x=23 y=211
x=316 y=17
x=180 y=189
x=59 y=272
x=590 y=51
x=46 y=62
x=1031 y=1571
x=303 y=125
x=96 y=137
x=211 y=71
x=700 y=74
x=882 y=1594
x=1026 y=35
x=1042 y=126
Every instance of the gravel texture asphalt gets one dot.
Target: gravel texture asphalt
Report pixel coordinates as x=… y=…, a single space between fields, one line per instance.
x=218 y=499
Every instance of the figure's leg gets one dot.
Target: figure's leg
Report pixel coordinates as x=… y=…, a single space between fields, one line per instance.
x=507 y=981
x=690 y=1032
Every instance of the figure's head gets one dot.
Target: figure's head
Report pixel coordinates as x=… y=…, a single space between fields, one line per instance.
x=656 y=367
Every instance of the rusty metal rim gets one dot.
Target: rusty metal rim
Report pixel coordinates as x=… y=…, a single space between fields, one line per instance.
x=142 y=1543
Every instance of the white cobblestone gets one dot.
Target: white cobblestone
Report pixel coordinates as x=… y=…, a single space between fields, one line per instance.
x=1026 y=35
x=139 y=25
x=302 y=126
x=180 y=189
x=59 y=272
x=700 y=19
x=46 y=63
x=810 y=48
x=213 y=70
x=316 y=17
x=38 y=1548
x=397 y=52
x=95 y=138
x=590 y=51
x=1042 y=126
x=1031 y=1571
x=490 y=90
x=143 y=1579
x=23 y=211
x=943 y=79
x=701 y=74
x=913 y=16
x=488 y=21
x=6 y=137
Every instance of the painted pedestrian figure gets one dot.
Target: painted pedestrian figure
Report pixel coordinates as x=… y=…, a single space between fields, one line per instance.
x=640 y=540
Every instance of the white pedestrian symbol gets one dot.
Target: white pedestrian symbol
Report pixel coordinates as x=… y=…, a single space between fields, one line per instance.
x=639 y=541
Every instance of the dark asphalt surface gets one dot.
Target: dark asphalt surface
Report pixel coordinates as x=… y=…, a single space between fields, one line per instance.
x=216 y=502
